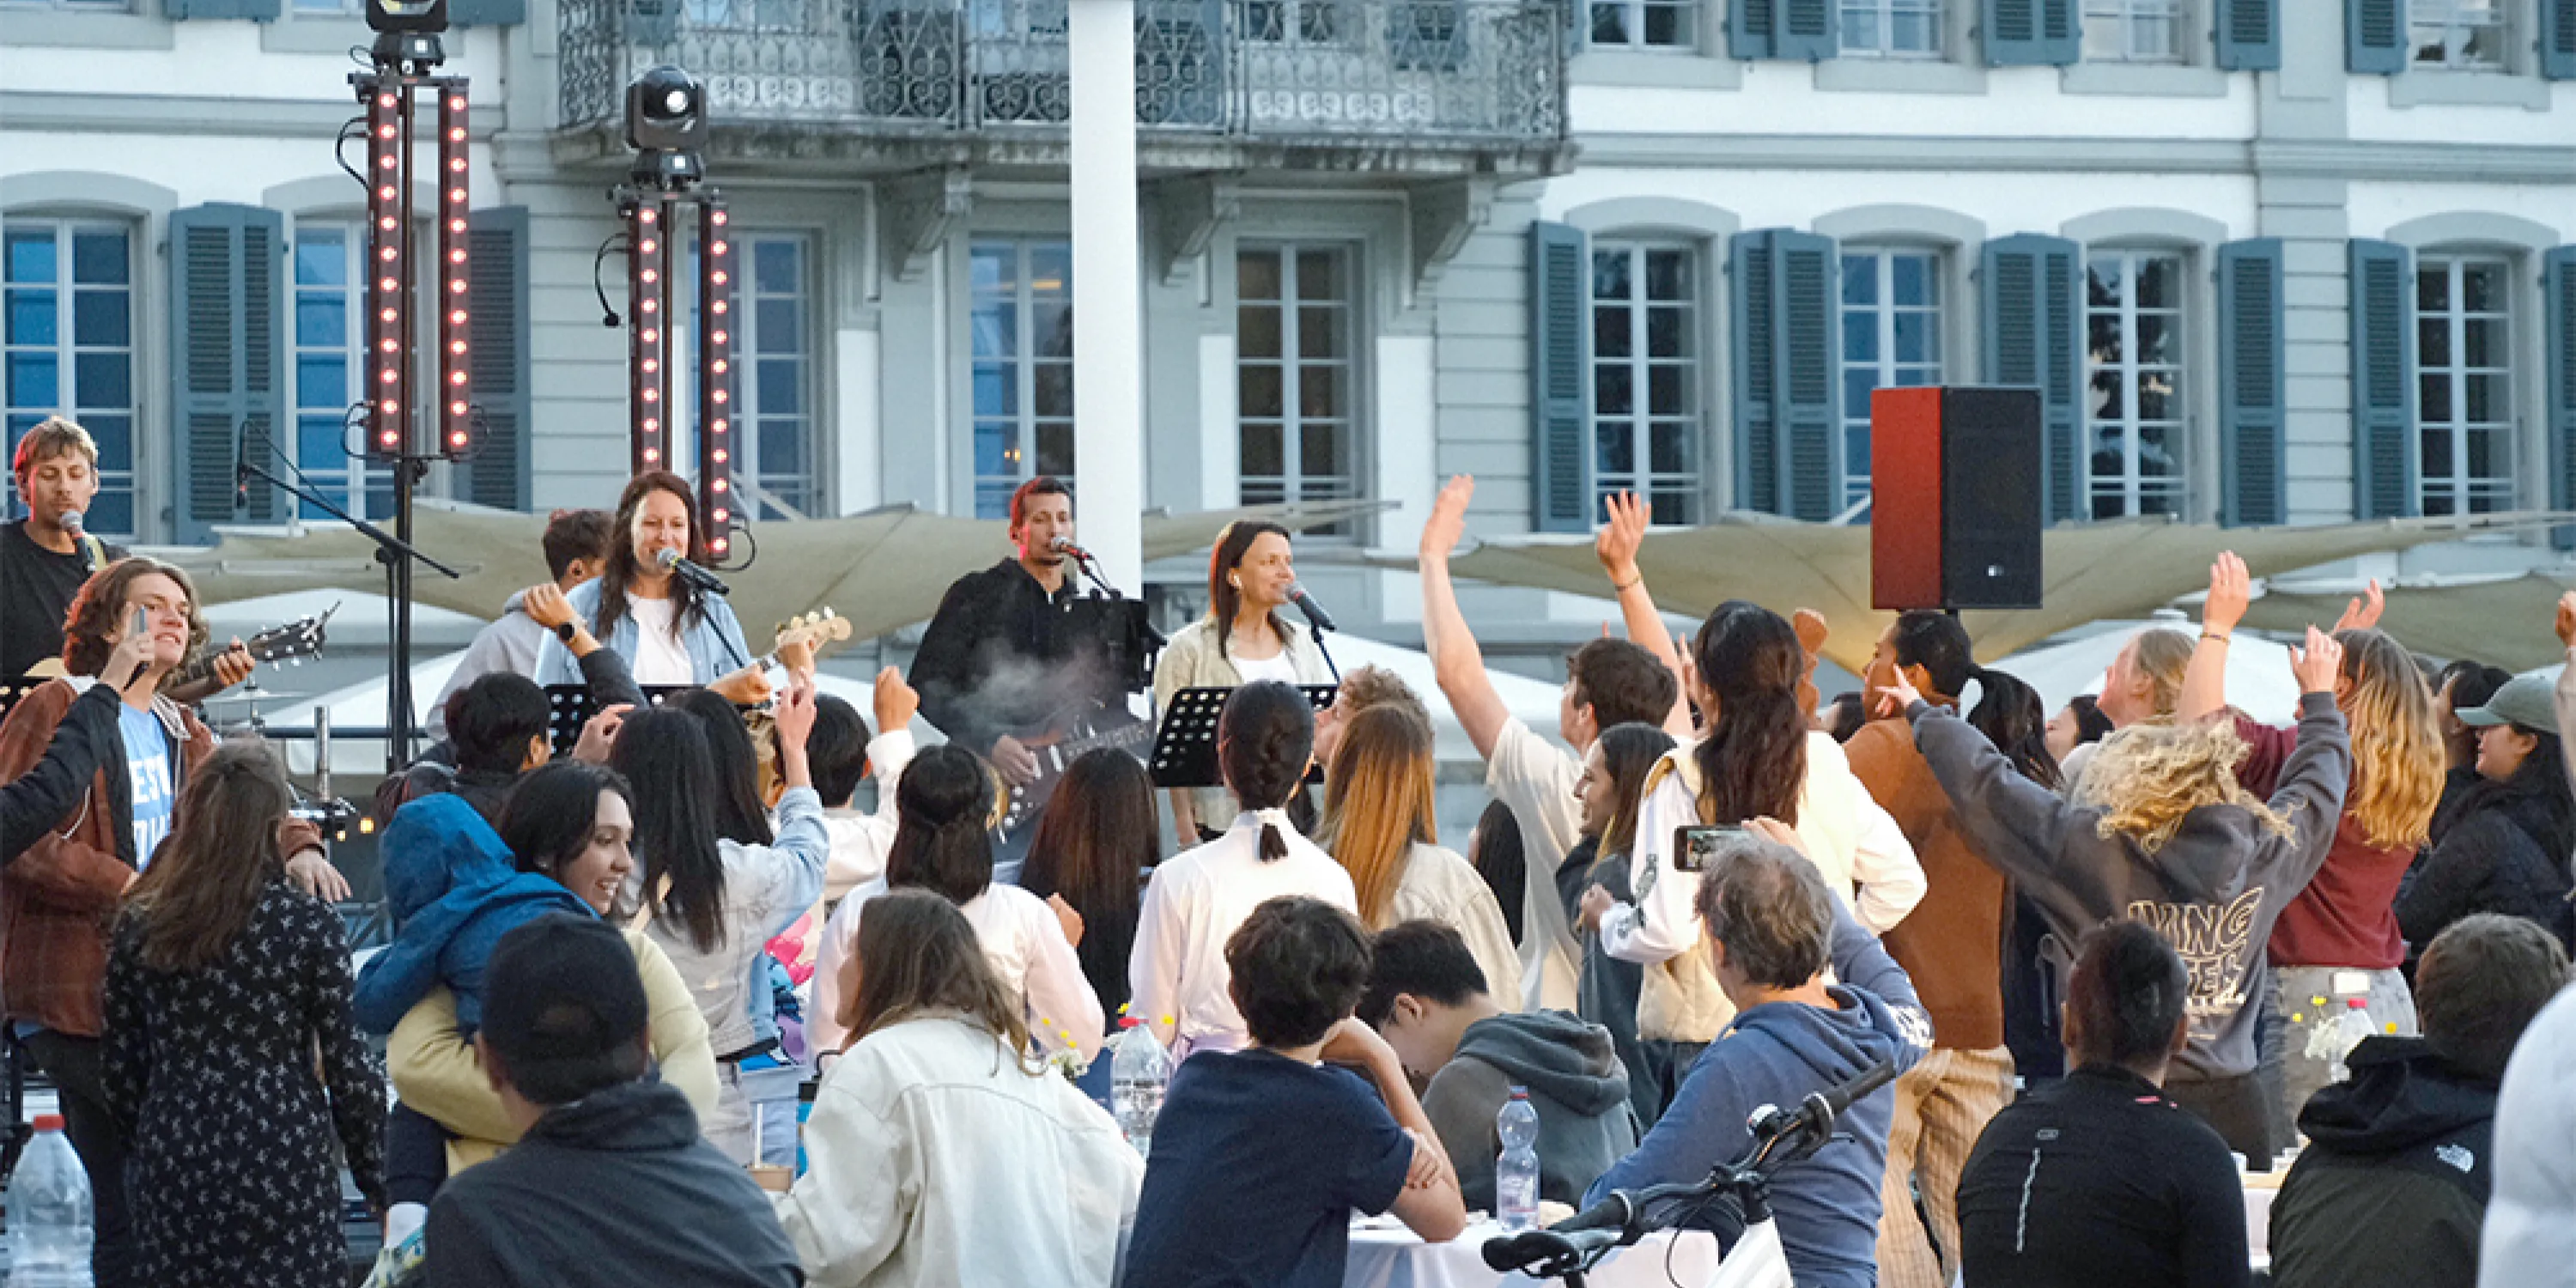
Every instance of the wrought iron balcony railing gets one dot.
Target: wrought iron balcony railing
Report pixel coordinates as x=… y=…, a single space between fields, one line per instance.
x=1455 y=72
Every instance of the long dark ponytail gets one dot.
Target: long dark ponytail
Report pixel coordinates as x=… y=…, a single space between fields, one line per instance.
x=664 y=756
x=1753 y=762
x=942 y=837
x=1265 y=739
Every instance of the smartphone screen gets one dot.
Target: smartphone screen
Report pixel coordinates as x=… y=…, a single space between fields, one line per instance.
x=1695 y=848
x=142 y=624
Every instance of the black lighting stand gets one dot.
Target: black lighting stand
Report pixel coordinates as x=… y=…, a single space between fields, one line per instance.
x=400 y=431
x=666 y=124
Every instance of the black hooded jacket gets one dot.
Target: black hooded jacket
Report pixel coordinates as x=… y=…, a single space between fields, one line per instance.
x=2393 y=1185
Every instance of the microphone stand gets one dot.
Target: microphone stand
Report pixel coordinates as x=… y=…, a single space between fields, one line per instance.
x=395 y=554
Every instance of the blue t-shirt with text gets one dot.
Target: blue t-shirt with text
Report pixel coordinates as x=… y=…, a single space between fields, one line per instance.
x=1258 y=1162
x=147 y=777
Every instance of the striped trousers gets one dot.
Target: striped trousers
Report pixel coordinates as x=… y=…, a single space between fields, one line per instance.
x=1942 y=1104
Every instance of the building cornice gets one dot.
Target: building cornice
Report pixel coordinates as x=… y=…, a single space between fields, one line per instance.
x=2324 y=159
x=297 y=118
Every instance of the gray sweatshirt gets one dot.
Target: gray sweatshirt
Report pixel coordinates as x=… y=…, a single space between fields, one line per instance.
x=2213 y=890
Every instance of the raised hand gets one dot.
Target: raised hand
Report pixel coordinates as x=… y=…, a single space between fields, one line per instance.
x=2567 y=619
x=794 y=713
x=1447 y=525
x=2231 y=588
x=1619 y=539
x=599 y=733
x=896 y=702
x=1896 y=696
x=2317 y=665
x=2364 y=610
x=546 y=605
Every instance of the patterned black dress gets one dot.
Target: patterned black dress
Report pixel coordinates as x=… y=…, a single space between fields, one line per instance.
x=233 y=1178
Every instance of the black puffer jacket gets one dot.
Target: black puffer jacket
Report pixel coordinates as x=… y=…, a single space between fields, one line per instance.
x=2496 y=858
x=2393 y=1186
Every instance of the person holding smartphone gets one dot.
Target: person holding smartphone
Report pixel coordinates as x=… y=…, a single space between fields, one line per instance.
x=58 y=899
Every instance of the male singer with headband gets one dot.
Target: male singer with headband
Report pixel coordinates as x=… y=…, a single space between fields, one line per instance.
x=46 y=556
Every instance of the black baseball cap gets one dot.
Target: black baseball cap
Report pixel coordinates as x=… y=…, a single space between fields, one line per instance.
x=562 y=988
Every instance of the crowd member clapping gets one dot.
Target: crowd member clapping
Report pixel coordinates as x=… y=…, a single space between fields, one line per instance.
x=1773 y=930
x=224 y=983
x=944 y=844
x=2162 y=832
x=1468 y=1050
x=1381 y=825
x=2098 y=1178
x=1261 y=1155
x=843 y=755
x=2392 y=1188
x=1607 y=989
x=1951 y=945
x=714 y=883
x=1757 y=758
x=1178 y=972
x=2341 y=929
x=611 y=1183
x=942 y=1151
x=570 y=822
x=1098 y=838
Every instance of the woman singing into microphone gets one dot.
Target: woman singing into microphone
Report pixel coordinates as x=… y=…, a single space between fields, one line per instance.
x=1242 y=639
x=668 y=630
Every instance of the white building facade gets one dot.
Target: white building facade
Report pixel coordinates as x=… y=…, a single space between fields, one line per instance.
x=2267 y=262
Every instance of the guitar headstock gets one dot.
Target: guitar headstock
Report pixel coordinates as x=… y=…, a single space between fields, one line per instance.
x=292 y=642
x=815 y=630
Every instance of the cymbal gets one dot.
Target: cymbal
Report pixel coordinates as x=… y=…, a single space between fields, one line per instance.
x=252 y=697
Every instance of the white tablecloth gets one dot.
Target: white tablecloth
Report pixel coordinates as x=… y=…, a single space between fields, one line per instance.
x=1384 y=1258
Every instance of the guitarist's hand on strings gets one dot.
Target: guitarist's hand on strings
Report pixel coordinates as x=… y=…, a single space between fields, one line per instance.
x=232 y=666
x=1016 y=763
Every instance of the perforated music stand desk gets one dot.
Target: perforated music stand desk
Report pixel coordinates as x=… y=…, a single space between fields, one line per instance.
x=568 y=708
x=1185 y=747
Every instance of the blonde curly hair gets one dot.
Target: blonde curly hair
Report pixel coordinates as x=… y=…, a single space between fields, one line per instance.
x=2148 y=778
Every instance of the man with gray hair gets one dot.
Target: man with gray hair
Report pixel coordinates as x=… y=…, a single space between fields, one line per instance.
x=1773 y=929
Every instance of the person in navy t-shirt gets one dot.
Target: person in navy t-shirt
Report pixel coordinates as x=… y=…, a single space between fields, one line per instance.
x=1261 y=1155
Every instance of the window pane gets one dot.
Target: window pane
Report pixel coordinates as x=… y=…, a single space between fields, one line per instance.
x=1668 y=276
x=322 y=380
x=1670 y=447
x=776 y=267
x=1615 y=449
x=779 y=387
x=1610 y=275
x=1054 y=389
x=1614 y=391
x=1256 y=276
x=31 y=255
x=1319 y=453
x=1319 y=391
x=1257 y=332
x=321 y=318
x=1316 y=278
x=779 y=324
x=1051 y=330
x=1668 y=332
x=1261 y=454
x=98 y=258
x=2482 y=287
x=99 y=319
x=1913 y=336
x=34 y=317
x=1260 y=391
x=1611 y=336
x=34 y=381
x=1667 y=389
x=1319 y=333
x=321 y=258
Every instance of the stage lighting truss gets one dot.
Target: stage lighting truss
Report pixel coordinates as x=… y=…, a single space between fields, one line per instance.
x=444 y=428
x=655 y=221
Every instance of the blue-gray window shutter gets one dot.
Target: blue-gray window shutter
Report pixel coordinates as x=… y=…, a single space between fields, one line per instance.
x=228 y=368
x=2249 y=35
x=1751 y=26
x=2384 y=382
x=2384 y=466
x=1561 y=371
x=2032 y=33
x=2252 y=436
x=496 y=286
x=486 y=13
x=2374 y=36
x=1754 y=339
x=2033 y=313
x=255 y=10
x=1788 y=403
x=1807 y=30
x=2558 y=39
x=2558 y=281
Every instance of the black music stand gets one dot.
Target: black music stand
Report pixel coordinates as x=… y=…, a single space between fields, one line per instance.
x=568 y=708
x=1184 y=752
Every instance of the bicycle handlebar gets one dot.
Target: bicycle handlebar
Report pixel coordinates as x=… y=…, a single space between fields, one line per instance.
x=1621 y=1219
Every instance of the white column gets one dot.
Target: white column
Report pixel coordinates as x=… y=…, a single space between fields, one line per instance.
x=1108 y=329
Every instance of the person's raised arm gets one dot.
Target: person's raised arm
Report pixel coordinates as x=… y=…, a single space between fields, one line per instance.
x=2204 y=682
x=1456 y=663
x=2565 y=697
x=2317 y=772
x=1617 y=546
x=2018 y=827
x=34 y=801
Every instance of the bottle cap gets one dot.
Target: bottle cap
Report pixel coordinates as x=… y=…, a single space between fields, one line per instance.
x=2353 y=1003
x=49 y=1122
x=1128 y=1021
x=1520 y=1093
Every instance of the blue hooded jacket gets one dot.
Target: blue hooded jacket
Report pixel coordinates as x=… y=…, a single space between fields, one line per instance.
x=1826 y=1206
x=454 y=891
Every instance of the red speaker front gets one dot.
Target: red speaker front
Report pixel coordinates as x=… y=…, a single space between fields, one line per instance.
x=1954 y=498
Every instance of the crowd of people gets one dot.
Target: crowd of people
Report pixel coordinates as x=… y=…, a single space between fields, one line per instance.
x=2112 y=953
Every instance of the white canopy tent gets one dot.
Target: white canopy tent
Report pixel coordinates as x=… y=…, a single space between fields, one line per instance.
x=2258 y=670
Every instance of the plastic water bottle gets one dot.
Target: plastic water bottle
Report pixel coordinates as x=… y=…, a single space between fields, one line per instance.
x=1516 y=1172
x=1137 y=1074
x=2350 y=1028
x=49 y=1221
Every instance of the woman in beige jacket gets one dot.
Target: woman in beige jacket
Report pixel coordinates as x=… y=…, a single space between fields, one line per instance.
x=1378 y=824
x=1241 y=639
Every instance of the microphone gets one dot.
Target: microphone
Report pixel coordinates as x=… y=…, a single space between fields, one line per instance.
x=241 y=468
x=1315 y=614
x=71 y=523
x=1065 y=546
x=671 y=562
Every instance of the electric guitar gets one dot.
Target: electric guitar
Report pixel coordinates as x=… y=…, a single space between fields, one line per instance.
x=290 y=644
x=1056 y=752
x=816 y=630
